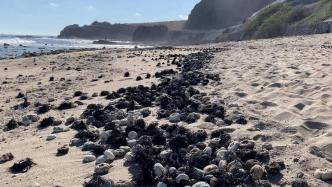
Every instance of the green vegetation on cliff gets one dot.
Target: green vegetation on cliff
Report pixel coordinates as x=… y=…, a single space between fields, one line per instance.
x=270 y=22
x=274 y=20
x=323 y=12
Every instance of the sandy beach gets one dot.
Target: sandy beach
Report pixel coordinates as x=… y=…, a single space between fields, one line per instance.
x=283 y=87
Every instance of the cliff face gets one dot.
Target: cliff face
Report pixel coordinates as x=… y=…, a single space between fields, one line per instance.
x=99 y=30
x=218 y=14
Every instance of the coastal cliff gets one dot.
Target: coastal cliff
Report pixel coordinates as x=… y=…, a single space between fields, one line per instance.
x=218 y=14
x=220 y=20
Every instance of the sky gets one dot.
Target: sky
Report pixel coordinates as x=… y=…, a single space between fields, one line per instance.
x=48 y=17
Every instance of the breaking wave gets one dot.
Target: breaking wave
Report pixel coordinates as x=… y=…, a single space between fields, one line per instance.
x=15 y=41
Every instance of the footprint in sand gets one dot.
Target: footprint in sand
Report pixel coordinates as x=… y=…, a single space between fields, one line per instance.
x=275 y=85
x=327 y=151
x=325 y=97
x=285 y=117
x=268 y=104
x=241 y=94
x=255 y=84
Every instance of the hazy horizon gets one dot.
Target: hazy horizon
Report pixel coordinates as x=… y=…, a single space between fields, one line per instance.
x=49 y=17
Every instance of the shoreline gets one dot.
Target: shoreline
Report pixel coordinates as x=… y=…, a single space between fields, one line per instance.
x=12 y=47
x=247 y=87
x=53 y=52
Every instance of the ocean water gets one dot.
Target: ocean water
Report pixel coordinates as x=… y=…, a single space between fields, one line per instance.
x=18 y=45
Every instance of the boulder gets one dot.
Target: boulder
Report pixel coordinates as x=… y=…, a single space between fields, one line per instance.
x=102 y=169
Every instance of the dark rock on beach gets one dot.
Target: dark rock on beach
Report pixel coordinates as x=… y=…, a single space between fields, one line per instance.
x=6 y=157
x=66 y=105
x=20 y=95
x=78 y=93
x=22 y=166
x=126 y=74
x=62 y=150
x=12 y=124
x=98 y=181
x=156 y=147
x=49 y=121
x=43 y=108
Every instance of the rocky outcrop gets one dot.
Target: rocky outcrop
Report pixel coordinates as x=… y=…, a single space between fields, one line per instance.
x=105 y=30
x=218 y=14
x=104 y=42
x=99 y=30
x=150 y=33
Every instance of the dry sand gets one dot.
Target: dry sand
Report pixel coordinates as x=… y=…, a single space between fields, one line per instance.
x=285 y=82
x=288 y=82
